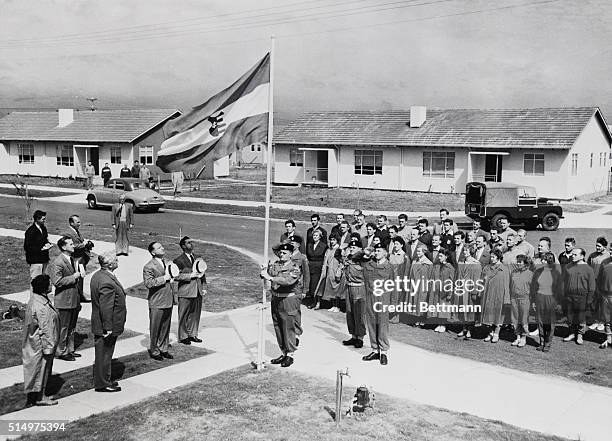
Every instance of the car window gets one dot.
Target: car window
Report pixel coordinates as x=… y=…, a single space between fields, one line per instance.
x=119 y=186
x=135 y=185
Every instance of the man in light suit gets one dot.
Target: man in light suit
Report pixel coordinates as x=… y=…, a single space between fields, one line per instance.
x=108 y=314
x=191 y=289
x=122 y=219
x=66 y=278
x=161 y=298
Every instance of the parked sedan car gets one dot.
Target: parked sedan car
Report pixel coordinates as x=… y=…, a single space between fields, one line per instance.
x=136 y=192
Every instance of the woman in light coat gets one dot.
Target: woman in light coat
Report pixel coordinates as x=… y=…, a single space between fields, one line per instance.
x=41 y=330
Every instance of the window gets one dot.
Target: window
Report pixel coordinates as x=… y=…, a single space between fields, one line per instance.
x=533 y=164
x=115 y=155
x=146 y=154
x=296 y=158
x=65 y=155
x=439 y=164
x=26 y=153
x=591 y=161
x=119 y=185
x=368 y=162
x=252 y=148
x=259 y=148
x=602 y=159
x=574 y=164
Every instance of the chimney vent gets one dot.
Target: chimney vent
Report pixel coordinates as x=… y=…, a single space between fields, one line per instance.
x=418 y=114
x=66 y=116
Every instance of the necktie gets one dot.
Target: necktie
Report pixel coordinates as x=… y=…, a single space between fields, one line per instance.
x=73 y=265
x=191 y=258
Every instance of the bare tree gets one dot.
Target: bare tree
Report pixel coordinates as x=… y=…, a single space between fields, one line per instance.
x=24 y=193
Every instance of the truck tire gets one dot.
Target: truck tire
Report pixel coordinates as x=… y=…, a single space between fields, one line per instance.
x=91 y=202
x=495 y=220
x=550 y=222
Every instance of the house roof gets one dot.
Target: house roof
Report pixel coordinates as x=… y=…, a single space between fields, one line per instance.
x=471 y=128
x=88 y=126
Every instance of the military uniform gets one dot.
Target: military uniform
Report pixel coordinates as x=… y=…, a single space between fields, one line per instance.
x=286 y=280
x=377 y=322
x=355 y=295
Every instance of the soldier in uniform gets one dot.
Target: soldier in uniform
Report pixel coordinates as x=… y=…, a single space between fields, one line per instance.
x=377 y=320
x=284 y=276
x=352 y=269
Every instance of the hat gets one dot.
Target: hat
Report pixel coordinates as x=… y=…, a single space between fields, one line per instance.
x=378 y=245
x=355 y=242
x=199 y=266
x=183 y=240
x=284 y=247
x=172 y=269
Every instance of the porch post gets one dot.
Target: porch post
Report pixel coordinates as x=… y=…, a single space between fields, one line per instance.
x=469 y=167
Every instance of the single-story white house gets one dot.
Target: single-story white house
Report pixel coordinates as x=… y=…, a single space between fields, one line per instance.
x=61 y=143
x=563 y=152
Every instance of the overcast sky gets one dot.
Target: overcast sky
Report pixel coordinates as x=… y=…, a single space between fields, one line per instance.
x=331 y=54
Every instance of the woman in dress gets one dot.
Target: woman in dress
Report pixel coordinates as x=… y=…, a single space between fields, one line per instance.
x=496 y=294
x=419 y=275
x=468 y=273
x=315 y=252
x=328 y=289
x=441 y=292
x=400 y=266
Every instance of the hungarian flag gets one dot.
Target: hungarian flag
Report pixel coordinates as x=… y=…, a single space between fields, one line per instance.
x=235 y=117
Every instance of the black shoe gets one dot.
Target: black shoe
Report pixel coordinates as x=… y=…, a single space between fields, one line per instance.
x=76 y=355
x=115 y=384
x=358 y=343
x=67 y=357
x=278 y=360
x=288 y=361
x=297 y=341
x=350 y=342
x=157 y=357
x=371 y=356
x=185 y=341
x=195 y=339
x=109 y=389
x=167 y=355
x=383 y=359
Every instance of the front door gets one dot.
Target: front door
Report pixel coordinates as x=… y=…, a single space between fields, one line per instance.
x=493 y=168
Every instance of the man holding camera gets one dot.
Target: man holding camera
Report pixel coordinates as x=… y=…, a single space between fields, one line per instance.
x=82 y=247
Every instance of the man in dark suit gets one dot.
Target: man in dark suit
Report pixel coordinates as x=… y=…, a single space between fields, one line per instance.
x=122 y=218
x=436 y=248
x=424 y=234
x=82 y=247
x=478 y=231
x=108 y=314
x=191 y=290
x=315 y=220
x=482 y=252
x=161 y=298
x=289 y=233
x=457 y=256
x=66 y=278
x=36 y=245
x=382 y=230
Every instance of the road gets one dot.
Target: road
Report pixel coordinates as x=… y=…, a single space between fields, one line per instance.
x=233 y=230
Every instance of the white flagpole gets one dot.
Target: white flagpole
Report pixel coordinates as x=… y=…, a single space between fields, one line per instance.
x=261 y=341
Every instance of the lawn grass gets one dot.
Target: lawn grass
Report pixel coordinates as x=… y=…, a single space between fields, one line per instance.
x=275 y=404
x=579 y=208
x=585 y=363
x=11 y=336
x=70 y=383
x=43 y=180
x=232 y=278
x=35 y=193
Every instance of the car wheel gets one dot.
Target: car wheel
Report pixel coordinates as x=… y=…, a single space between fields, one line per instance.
x=495 y=220
x=550 y=222
x=91 y=203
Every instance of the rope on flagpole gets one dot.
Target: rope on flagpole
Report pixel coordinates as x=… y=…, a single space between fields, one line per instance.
x=261 y=341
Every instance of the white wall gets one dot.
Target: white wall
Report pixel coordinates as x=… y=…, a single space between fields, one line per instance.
x=412 y=174
x=589 y=180
x=104 y=156
x=283 y=172
x=554 y=181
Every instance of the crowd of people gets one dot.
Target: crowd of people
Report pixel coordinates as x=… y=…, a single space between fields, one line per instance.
x=57 y=293
x=439 y=277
